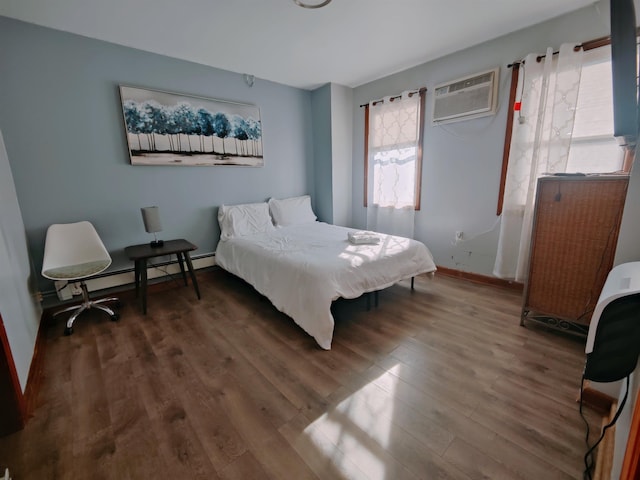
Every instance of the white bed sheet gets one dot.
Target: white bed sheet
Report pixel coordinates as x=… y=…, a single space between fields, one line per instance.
x=302 y=268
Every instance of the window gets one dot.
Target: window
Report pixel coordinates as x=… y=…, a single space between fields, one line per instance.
x=593 y=148
x=393 y=151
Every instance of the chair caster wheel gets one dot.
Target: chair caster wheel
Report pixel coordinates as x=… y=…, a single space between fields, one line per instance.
x=68 y=331
x=115 y=317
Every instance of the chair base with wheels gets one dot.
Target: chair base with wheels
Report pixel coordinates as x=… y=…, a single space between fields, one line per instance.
x=88 y=304
x=74 y=251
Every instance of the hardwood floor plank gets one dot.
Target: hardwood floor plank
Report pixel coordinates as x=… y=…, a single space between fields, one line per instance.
x=135 y=442
x=267 y=445
x=371 y=405
x=456 y=394
x=295 y=389
x=98 y=455
x=177 y=441
x=90 y=412
x=441 y=413
x=217 y=435
x=323 y=383
x=322 y=456
x=245 y=467
x=263 y=393
x=555 y=416
x=534 y=439
x=477 y=465
x=522 y=463
x=414 y=440
x=356 y=444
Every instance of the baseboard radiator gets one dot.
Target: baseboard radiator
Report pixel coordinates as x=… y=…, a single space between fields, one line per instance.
x=127 y=277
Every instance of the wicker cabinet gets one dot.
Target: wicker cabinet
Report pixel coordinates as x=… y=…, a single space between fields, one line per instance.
x=575 y=232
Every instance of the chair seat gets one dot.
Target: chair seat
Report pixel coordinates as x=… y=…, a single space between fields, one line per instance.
x=74 y=272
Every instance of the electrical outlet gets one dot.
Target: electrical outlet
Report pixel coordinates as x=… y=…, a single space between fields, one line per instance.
x=63 y=289
x=459 y=236
x=76 y=289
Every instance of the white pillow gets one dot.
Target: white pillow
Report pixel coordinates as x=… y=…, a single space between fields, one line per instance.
x=246 y=219
x=290 y=211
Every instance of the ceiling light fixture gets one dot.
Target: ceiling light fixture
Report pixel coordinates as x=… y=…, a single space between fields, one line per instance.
x=311 y=5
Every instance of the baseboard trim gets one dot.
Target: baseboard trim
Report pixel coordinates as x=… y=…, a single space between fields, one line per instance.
x=34 y=378
x=477 y=278
x=12 y=401
x=596 y=400
x=127 y=277
x=604 y=457
x=161 y=270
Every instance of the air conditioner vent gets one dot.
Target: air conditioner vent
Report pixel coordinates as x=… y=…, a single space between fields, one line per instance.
x=466 y=98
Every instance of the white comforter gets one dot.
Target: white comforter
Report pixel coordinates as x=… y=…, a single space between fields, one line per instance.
x=303 y=268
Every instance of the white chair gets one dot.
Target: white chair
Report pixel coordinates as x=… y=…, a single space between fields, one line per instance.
x=74 y=251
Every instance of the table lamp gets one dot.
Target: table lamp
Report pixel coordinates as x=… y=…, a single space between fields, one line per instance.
x=151 y=219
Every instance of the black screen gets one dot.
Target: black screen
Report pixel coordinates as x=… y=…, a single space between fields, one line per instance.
x=624 y=68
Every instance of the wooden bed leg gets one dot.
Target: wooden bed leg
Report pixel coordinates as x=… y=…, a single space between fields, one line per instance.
x=412 y=279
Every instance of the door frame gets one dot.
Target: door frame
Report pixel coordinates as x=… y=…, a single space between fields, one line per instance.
x=12 y=401
x=631 y=463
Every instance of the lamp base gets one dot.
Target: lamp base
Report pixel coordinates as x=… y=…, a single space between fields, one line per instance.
x=156 y=243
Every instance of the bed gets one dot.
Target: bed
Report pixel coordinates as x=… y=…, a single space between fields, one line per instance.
x=302 y=265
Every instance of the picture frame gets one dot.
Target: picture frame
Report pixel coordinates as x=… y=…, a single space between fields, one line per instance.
x=165 y=128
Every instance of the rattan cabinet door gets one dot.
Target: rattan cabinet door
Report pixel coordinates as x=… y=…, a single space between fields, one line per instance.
x=575 y=232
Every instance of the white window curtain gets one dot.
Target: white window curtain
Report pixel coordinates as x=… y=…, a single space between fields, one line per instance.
x=540 y=144
x=393 y=156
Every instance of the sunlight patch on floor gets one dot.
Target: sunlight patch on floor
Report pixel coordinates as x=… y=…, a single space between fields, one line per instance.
x=356 y=433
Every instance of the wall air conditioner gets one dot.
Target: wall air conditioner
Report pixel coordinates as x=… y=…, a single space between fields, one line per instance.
x=466 y=98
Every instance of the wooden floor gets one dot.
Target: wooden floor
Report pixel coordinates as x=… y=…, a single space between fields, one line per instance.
x=439 y=383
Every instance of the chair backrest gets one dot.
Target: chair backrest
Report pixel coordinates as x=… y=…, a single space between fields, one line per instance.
x=613 y=342
x=73 y=251
x=616 y=345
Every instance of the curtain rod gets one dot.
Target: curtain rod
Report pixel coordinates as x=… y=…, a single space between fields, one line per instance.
x=391 y=99
x=588 y=45
x=540 y=57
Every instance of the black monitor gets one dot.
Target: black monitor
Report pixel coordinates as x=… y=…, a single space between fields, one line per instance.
x=625 y=71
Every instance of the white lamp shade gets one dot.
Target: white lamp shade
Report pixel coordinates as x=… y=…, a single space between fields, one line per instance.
x=151 y=219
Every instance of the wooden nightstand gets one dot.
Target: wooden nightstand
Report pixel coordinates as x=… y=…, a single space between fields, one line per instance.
x=141 y=253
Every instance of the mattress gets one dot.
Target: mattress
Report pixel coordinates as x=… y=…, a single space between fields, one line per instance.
x=303 y=268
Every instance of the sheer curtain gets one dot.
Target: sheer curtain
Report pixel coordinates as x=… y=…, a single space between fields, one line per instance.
x=392 y=159
x=540 y=144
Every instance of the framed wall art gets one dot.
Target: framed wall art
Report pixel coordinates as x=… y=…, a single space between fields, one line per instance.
x=166 y=128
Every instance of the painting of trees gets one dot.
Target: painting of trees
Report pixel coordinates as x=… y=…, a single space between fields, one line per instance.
x=170 y=129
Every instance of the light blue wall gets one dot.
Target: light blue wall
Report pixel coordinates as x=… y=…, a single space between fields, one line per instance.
x=332 y=147
x=341 y=148
x=321 y=107
x=63 y=128
x=462 y=161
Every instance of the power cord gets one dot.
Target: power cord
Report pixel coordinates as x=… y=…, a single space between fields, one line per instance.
x=163 y=269
x=588 y=457
x=59 y=286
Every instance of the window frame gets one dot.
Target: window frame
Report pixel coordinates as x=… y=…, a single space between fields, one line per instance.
x=418 y=173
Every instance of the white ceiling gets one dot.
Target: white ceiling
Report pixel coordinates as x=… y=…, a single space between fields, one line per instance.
x=349 y=42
